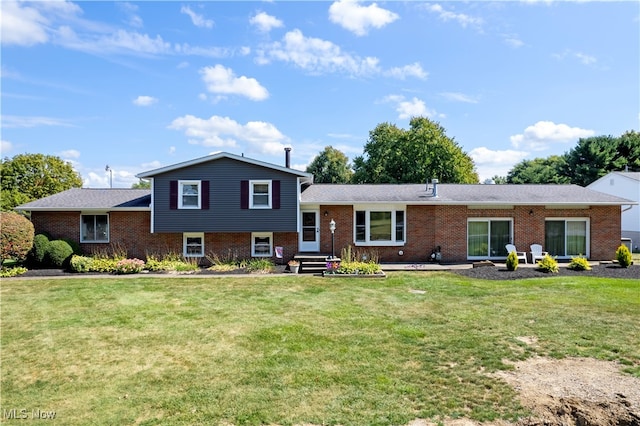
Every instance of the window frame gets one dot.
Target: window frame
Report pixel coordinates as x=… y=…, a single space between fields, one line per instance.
x=252 y=184
x=255 y=235
x=566 y=220
x=490 y=249
x=393 y=226
x=94 y=240
x=181 y=185
x=185 y=245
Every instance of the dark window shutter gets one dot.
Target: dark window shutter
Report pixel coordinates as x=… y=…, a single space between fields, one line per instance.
x=275 y=197
x=173 y=194
x=204 y=188
x=244 y=194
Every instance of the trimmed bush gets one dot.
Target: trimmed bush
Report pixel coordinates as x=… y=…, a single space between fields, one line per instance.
x=59 y=253
x=512 y=261
x=548 y=264
x=16 y=236
x=40 y=247
x=579 y=264
x=80 y=264
x=623 y=255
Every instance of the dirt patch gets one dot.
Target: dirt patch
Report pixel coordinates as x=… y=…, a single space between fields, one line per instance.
x=568 y=392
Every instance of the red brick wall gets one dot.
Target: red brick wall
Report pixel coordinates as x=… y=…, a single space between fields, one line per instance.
x=446 y=226
x=427 y=227
x=130 y=231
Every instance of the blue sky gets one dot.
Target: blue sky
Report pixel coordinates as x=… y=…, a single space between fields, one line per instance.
x=140 y=85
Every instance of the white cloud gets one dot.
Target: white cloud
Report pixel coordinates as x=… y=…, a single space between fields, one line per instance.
x=130 y=10
x=5 y=147
x=582 y=57
x=172 y=150
x=69 y=154
x=145 y=100
x=461 y=18
x=13 y=121
x=265 y=22
x=544 y=134
x=459 y=97
x=490 y=163
x=413 y=70
x=316 y=56
x=197 y=20
x=410 y=108
x=23 y=26
x=221 y=80
x=513 y=41
x=359 y=19
x=219 y=132
x=586 y=59
x=119 y=41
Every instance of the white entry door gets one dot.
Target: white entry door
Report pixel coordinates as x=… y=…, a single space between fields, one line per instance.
x=310 y=232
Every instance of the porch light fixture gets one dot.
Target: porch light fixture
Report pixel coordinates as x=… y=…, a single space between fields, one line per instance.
x=332 y=227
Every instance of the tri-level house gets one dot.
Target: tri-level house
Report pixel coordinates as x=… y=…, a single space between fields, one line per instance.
x=229 y=204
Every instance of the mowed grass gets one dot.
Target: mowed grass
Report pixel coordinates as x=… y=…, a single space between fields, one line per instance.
x=299 y=349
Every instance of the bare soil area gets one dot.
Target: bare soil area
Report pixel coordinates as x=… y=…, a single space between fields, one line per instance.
x=568 y=392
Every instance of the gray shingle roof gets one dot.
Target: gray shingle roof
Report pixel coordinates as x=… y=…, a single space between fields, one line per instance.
x=457 y=194
x=93 y=199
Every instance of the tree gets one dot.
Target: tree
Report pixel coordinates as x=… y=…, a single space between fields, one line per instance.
x=16 y=236
x=330 y=166
x=28 y=177
x=539 y=170
x=422 y=153
x=141 y=184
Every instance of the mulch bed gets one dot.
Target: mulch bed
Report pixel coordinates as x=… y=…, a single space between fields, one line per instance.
x=502 y=273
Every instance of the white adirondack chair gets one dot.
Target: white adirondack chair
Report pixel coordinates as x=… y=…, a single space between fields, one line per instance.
x=537 y=253
x=520 y=254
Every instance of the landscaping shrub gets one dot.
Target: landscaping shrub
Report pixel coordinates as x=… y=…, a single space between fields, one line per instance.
x=129 y=266
x=260 y=265
x=59 y=253
x=356 y=267
x=74 y=245
x=103 y=264
x=40 y=247
x=548 y=264
x=512 y=261
x=579 y=264
x=81 y=264
x=623 y=255
x=16 y=236
x=12 y=272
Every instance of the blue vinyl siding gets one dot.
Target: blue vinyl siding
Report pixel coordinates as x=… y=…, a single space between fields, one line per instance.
x=225 y=213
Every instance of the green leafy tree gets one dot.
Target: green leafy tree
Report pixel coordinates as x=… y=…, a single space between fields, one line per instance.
x=499 y=180
x=539 y=170
x=330 y=166
x=141 y=184
x=419 y=154
x=28 y=177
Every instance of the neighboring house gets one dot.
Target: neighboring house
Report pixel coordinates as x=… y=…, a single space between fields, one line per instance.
x=226 y=204
x=625 y=185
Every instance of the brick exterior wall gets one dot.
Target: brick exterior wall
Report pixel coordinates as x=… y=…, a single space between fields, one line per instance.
x=130 y=231
x=426 y=228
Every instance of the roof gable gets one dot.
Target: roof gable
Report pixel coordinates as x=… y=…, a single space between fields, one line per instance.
x=151 y=173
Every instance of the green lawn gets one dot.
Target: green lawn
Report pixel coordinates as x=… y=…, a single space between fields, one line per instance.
x=294 y=350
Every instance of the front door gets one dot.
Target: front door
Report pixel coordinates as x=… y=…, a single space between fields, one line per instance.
x=310 y=232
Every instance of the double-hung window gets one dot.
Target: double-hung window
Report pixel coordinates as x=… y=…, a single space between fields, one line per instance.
x=260 y=194
x=379 y=227
x=193 y=244
x=189 y=194
x=488 y=237
x=94 y=228
x=567 y=237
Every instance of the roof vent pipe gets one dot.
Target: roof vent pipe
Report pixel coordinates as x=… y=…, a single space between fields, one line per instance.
x=434 y=183
x=287 y=157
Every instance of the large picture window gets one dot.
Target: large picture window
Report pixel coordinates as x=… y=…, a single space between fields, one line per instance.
x=379 y=227
x=566 y=237
x=261 y=244
x=487 y=238
x=193 y=244
x=189 y=194
x=94 y=228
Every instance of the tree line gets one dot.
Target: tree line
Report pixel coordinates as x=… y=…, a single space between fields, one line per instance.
x=391 y=155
